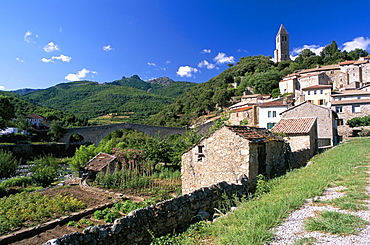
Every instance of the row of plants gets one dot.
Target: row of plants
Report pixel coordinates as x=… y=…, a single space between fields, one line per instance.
x=29 y=209
x=252 y=222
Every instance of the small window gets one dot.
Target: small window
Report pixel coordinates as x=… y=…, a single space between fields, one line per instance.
x=340 y=122
x=315 y=91
x=339 y=109
x=270 y=125
x=274 y=114
x=269 y=114
x=356 y=108
x=308 y=92
x=200 y=153
x=321 y=102
x=321 y=91
x=309 y=101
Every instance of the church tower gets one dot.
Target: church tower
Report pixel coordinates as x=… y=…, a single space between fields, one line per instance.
x=282 y=45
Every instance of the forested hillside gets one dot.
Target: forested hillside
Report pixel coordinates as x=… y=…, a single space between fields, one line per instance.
x=130 y=97
x=23 y=108
x=257 y=72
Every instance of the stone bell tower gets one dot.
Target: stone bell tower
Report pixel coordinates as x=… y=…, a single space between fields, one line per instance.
x=282 y=45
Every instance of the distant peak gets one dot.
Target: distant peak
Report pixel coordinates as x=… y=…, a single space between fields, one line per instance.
x=164 y=81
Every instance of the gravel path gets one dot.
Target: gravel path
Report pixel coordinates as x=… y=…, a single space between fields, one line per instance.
x=292 y=231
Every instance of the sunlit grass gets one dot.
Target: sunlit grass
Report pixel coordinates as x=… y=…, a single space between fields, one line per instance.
x=251 y=223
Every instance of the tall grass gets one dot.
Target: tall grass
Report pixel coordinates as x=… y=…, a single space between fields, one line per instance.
x=252 y=222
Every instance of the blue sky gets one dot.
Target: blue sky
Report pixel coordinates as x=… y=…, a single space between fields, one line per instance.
x=46 y=42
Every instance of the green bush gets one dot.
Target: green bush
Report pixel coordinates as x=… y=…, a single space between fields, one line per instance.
x=8 y=164
x=19 y=181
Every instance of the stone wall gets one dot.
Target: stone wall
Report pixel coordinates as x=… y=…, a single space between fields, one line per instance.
x=325 y=119
x=139 y=226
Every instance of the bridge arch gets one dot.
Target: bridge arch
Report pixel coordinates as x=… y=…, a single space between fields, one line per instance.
x=96 y=133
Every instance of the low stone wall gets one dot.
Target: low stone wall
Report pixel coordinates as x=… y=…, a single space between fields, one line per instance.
x=139 y=226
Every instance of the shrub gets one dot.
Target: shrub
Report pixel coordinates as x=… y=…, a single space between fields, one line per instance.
x=8 y=164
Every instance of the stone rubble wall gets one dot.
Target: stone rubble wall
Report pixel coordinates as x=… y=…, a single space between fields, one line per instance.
x=140 y=225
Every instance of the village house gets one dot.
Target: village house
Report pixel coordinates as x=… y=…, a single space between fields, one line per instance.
x=317 y=94
x=269 y=112
x=244 y=116
x=102 y=162
x=326 y=121
x=235 y=154
x=38 y=122
x=349 y=104
x=301 y=134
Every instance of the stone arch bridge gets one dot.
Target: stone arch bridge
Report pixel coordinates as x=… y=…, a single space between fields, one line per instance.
x=95 y=133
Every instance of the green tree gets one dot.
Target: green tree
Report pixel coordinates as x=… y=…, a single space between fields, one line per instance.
x=45 y=170
x=331 y=54
x=22 y=123
x=7 y=111
x=82 y=156
x=357 y=53
x=56 y=130
x=8 y=164
x=265 y=82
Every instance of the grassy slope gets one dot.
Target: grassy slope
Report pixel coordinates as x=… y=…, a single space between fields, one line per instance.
x=252 y=222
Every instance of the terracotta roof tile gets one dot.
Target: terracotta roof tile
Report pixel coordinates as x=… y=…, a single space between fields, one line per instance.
x=243 y=109
x=99 y=162
x=275 y=103
x=301 y=125
x=254 y=134
x=317 y=87
x=348 y=102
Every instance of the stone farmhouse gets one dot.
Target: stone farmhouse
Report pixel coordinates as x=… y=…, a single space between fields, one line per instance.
x=38 y=122
x=327 y=135
x=235 y=154
x=301 y=134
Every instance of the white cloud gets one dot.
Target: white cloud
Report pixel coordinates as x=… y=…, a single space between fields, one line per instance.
x=47 y=60
x=206 y=51
x=314 y=48
x=206 y=64
x=168 y=62
x=80 y=74
x=152 y=64
x=27 y=37
x=186 y=71
x=242 y=50
x=2 y=87
x=358 y=42
x=107 y=48
x=18 y=59
x=221 y=58
x=61 y=57
x=51 y=47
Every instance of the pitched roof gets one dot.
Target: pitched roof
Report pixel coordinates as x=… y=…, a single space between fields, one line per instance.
x=303 y=103
x=282 y=30
x=254 y=134
x=322 y=68
x=317 y=87
x=35 y=116
x=311 y=74
x=301 y=125
x=243 y=109
x=99 y=162
x=276 y=103
x=350 y=92
x=348 y=102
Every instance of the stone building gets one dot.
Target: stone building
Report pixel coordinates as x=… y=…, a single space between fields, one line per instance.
x=282 y=45
x=326 y=121
x=245 y=115
x=317 y=94
x=234 y=154
x=349 y=104
x=301 y=134
x=102 y=162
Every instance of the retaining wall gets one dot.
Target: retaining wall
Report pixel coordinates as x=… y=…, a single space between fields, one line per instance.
x=139 y=226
